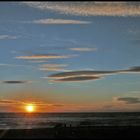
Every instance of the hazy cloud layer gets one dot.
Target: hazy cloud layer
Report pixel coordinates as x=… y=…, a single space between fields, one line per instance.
x=89 y=74
x=90 y=8
x=4 y=37
x=7 y=102
x=129 y=100
x=100 y=106
x=59 y=21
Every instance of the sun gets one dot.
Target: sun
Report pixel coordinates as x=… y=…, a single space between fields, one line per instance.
x=30 y=108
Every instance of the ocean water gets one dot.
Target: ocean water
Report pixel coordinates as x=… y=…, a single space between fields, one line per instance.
x=45 y=120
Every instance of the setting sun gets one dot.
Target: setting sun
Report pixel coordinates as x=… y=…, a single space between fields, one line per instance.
x=30 y=108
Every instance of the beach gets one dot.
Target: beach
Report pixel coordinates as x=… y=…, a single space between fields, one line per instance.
x=103 y=132
x=70 y=125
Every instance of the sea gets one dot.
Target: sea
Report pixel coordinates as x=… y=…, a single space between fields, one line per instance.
x=50 y=120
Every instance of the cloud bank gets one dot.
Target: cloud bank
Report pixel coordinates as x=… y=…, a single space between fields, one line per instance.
x=89 y=74
x=90 y=8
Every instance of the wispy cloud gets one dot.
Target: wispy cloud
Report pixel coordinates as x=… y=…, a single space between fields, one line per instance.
x=41 y=104
x=7 y=102
x=77 y=49
x=59 y=21
x=16 y=82
x=44 y=56
x=83 y=49
x=53 y=67
x=6 y=37
x=38 y=61
x=129 y=100
x=89 y=74
x=90 y=8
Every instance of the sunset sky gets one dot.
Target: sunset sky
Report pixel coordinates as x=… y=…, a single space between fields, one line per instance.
x=70 y=56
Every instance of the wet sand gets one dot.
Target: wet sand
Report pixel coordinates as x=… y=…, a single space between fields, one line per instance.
x=96 y=132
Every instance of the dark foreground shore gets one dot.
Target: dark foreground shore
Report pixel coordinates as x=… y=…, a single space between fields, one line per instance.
x=97 y=132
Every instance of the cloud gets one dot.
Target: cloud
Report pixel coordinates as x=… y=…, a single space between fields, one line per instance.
x=58 y=105
x=7 y=101
x=10 y=103
x=44 y=104
x=90 y=8
x=103 y=106
x=83 y=49
x=5 y=37
x=78 y=78
x=38 y=61
x=59 y=21
x=53 y=67
x=16 y=82
x=81 y=73
x=78 y=49
x=89 y=74
x=134 y=69
x=129 y=100
x=44 y=56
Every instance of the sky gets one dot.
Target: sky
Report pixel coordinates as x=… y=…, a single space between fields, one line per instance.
x=70 y=56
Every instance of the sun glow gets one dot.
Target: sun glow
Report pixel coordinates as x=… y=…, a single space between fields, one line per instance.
x=30 y=108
